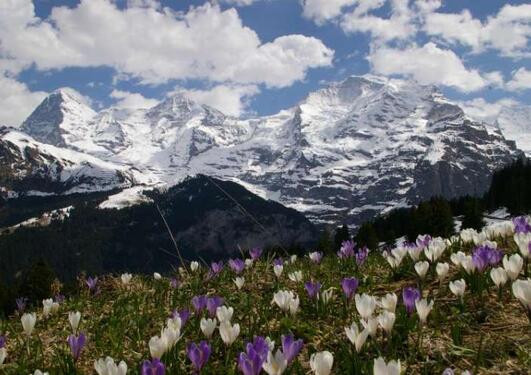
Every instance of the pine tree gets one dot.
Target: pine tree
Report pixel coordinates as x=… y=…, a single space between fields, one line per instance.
x=342 y=234
x=366 y=236
x=472 y=214
x=325 y=242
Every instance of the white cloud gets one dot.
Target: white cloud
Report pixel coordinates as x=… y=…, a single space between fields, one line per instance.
x=481 y=110
x=399 y=25
x=521 y=80
x=131 y=100
x=231 y=100
x=240 y=3
x=321 y=11
x=508 y=31
x=16 y=101
x=156 y=45
x=428 y=64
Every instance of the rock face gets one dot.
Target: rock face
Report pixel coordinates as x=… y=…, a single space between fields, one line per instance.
x=345 y=153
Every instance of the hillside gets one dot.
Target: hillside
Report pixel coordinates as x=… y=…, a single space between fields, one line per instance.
x=486 y=331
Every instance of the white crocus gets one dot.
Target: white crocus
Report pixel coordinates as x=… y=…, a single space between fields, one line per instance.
x=49 y=306
x=468 y=264
x=74 y=318
x=157 y=276
x=327 y=296
x=270 y=343
x=229 y=333
x=321 y=363
x=278 y=269
x=371 y=325
x=435 y=249
x=239 y=282
x=388 y=302
x=284 y=299
x=458 y=258
x=522 y=291
x=126 y=278
x=498 y=276
x=356 y=337
x=39 y=372
x=194 y=266
x=157 y=346
x=422 y=268
x=296 y=276
x=513 y=265
x=293 y=258
x=387 y=320
x=170 y=335
x=414 y=253
x=248 y=263
x=208 y=326
x=28 y=321
x=523 y=240
x=224 y=313
x=315 y=256
x=442 y=270
x=365 y=304
x=294 y=305
x=275 y=364
x=3 y=355
x=458 y=287
x=108 y=367
x=423 y=309
x=382 y=368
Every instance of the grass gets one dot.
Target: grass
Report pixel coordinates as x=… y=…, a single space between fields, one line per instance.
x=486 y=335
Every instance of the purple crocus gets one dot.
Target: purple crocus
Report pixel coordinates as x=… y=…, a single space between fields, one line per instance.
x=250 y=362
x=92 y=284
x=76 y=344
x=291 y=347
x=409 y=296
x=199 y=303
x=521 y=225
x=198 y=354
x=278 y=262
x=21 y=303
x=184 y=315
x=237 y=265
x=312 y=289
x=346 y=250
x=59 y=298
x=316 y=257
x=260 y=345
x=216 y=267
x=2 y=341
x=484 y=256
x=212 y=305
x=174 y=283
x=153 y=367
x=423 y=241
x=255 y=253
x=349 y=286
x=361 y=255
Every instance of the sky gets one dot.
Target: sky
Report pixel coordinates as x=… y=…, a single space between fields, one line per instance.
x=257 y=57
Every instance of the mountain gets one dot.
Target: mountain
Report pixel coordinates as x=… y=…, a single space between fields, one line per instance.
x=200 y=211
x=343 y=154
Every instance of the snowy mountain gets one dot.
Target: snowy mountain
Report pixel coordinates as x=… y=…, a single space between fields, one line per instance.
x=345 y=153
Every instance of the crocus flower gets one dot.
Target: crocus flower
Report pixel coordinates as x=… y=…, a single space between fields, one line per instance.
x=228 y=332
x=371 y=325
x=224 y=313
x=382 y=368
x=316 y=256
x=388 y=302
x=295 y=276
x=387 y=320
x=522 y=291
x=365 y=304
x=521 y=225
x=349 y=286
x=21 y=304
x=346 y=250
x=361 y=255
x=194 y=266
x=278 y=262
x=312 y=289
x=458 y=287
x=291 y=347
x=356 y=337
x=28 y=322
x=212 y=305
x=76 y=344
x=278 y=269
x=216 y=267
x=423 y=309
x=422 y=268
x=239 y=282
x=286 y=300
x=2 y=341
x=513 y=265
x=198 y=354
x=108 y=367
x=157 y=276
x=174 y=284
x=184 y=315
x=92 y=284
x=442 y=270
x=275 y=364
x=74 y=318
x=59 y=298
x=260 y=345
x=208 y=326
x=255 y=253
x=484 y=256
x=498 y=276
x=199 y=303
x=3 y=355
x=250 y=362
x=321 y=363
x=126 y=278
x=523 y=240
x=153 y=367
x=409 y=297
x=237 y=265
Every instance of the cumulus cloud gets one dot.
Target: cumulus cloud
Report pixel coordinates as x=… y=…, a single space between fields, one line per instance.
x=508 y=31
x=231 y=100
x=156 y=45
x=481 y=110
x=521 y=80
x=321 y=11
x=428 y=64
x=17 y=101
x=126 y=99
x=240 y=3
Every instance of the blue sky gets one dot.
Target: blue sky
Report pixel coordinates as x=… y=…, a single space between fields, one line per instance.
x=250 y=57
